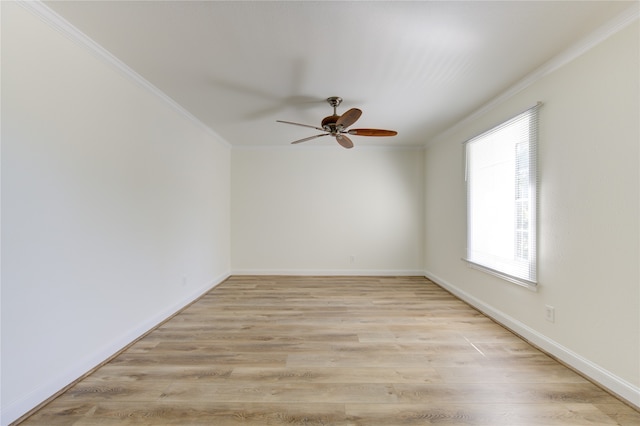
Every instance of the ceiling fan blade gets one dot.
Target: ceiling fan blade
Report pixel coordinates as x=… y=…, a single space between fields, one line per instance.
x=344 y=141
x=310 y=137
x=349 y=117
x=303 y=125
x=372 y=132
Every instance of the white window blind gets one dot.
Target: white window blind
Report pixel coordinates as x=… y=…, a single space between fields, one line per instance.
x=501 y=177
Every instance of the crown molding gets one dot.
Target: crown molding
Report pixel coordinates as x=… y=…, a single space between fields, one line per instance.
x=63 y=26
x=58 y=23
x=611 y=27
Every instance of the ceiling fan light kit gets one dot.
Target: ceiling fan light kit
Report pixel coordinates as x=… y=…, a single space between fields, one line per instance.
x=336 y=125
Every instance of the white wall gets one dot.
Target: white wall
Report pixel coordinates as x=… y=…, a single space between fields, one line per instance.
x=327 y=210
x=589 y=214
x=115 y=210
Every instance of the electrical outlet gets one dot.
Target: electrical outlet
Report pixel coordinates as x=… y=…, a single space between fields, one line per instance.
x=549 y=313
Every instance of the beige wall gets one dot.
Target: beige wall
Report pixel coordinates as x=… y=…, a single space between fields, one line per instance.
x=588 y=215
x=115 y=210
x=327 y=210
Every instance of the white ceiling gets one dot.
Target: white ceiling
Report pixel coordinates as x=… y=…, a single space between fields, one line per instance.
x=417 y=67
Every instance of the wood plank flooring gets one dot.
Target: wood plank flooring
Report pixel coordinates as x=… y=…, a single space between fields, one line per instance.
x=332 y=351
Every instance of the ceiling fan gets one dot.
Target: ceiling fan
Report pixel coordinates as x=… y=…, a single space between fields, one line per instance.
x=336 y=125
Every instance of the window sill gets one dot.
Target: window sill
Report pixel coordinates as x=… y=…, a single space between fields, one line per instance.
x=529 y=285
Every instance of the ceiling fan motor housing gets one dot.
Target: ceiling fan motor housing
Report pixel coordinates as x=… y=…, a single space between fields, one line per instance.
x=329 y=123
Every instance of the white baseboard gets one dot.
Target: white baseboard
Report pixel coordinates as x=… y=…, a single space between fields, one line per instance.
x=18 y=408
x=616 y=385
x=613 y=383
x=332 y=272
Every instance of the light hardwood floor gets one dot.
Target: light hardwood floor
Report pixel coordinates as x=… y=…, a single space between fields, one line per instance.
x=333 y=351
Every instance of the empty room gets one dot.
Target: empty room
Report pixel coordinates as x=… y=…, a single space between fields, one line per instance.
x=320 y=212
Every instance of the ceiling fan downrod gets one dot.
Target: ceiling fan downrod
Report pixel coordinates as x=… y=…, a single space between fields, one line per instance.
x=329 y=123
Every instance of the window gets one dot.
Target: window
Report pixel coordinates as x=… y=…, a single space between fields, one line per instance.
x=501 y=199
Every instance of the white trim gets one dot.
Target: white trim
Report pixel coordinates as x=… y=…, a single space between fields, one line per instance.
x=332 y=272
x=606 y=30
x=529 y=285
x=67 y=29
x=618 y=386
x=17 y=408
